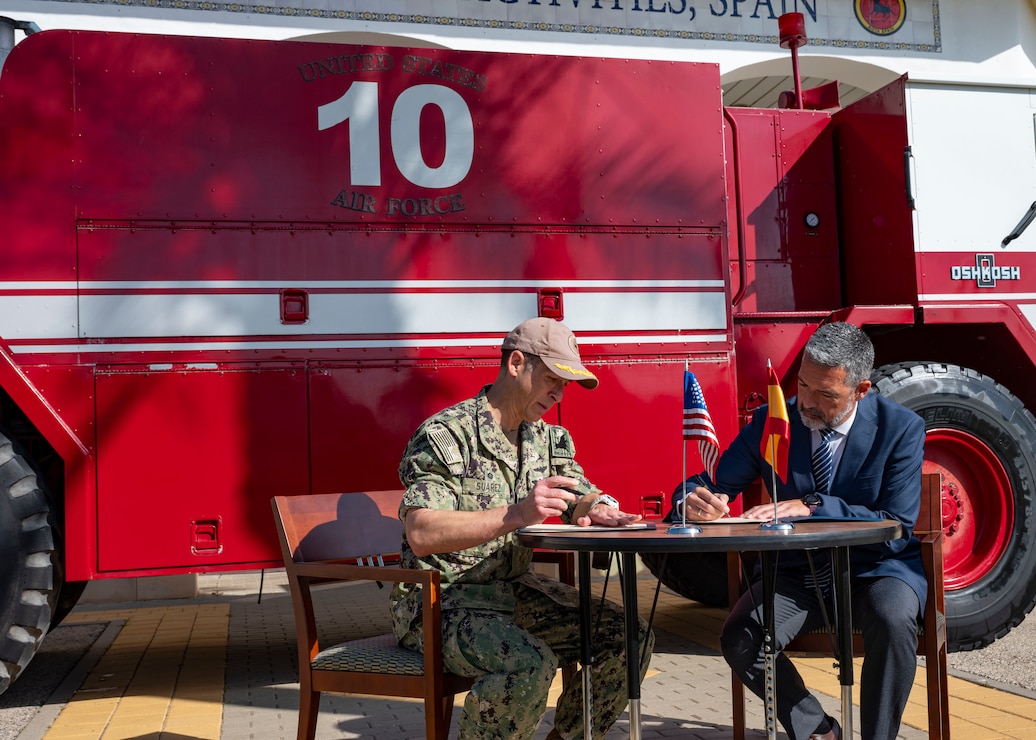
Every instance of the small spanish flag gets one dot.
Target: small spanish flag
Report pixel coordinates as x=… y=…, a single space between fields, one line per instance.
x=777 y=432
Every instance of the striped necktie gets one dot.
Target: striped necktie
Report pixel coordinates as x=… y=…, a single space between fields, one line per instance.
x=823 y=461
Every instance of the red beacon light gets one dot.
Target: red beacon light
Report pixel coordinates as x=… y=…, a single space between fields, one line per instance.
x=792 y=27
x=793 y=30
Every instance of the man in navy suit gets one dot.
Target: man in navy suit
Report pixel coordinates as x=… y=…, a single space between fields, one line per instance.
x=874 y=470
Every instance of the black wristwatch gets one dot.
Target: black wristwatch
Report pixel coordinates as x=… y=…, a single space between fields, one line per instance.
x=812 y=500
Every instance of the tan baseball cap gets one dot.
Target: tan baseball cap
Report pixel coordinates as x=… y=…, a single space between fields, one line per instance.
x=554 y=343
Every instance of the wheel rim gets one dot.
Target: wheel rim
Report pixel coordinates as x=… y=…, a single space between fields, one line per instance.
x=977 y=504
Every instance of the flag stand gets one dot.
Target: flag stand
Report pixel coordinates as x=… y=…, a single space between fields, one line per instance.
x=683 y=527
x=776 y=412
x=776 y=524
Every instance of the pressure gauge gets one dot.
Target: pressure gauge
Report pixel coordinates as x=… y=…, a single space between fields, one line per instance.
x=812 y=220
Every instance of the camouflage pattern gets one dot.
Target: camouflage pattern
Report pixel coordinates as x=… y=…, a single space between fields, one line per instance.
x=502 y=621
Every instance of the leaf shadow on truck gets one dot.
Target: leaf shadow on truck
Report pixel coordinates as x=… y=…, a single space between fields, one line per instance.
x=210 y=296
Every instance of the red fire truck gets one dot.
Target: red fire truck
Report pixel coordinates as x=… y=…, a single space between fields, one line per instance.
x=233 y=269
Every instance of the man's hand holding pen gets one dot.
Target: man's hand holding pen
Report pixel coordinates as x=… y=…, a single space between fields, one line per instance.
x=704 y=505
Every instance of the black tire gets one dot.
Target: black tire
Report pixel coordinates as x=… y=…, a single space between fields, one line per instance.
x=983 y=441
x=30 y=574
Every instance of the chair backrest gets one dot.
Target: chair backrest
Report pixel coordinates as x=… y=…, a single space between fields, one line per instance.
x=929 y=520
x=339 y=526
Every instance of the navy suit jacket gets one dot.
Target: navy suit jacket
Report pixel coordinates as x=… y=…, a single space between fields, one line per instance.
x=879 y=475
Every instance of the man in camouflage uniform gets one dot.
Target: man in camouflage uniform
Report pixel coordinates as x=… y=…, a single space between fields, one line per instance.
x=474 y=474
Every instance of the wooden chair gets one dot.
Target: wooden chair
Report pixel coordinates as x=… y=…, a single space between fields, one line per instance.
x=337 y=537
x=931 y=638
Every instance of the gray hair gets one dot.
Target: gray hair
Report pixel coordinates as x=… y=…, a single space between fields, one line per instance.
x=844 y=346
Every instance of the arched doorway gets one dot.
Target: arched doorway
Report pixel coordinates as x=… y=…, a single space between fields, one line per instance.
x=759 y=85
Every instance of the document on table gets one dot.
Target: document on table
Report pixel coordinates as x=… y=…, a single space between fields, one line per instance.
x=576 y=529
x=728 y=520
x=743 y=520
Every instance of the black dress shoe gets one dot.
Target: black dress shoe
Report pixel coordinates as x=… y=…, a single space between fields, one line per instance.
x=835 y=733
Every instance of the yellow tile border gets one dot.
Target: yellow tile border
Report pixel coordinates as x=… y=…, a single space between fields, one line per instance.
x=131 y=693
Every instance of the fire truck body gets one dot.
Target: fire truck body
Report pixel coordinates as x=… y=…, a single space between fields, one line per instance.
x=242 y=268
x=234 y=269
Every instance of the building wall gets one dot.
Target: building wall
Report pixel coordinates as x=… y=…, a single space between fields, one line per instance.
x=952 y=39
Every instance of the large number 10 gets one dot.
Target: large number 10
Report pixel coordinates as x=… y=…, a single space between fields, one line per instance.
x=359 y=106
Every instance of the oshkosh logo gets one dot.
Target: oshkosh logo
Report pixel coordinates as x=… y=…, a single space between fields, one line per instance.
x=985 y=272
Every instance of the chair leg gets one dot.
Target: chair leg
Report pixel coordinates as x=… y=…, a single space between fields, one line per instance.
x=938 y=694
x=309 y=708
x=944 y=698
x=447 y=713
x=737 y=706
x=568 y=672
x=437 y=717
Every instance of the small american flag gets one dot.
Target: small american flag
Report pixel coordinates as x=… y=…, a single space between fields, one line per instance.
x=697 y=423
